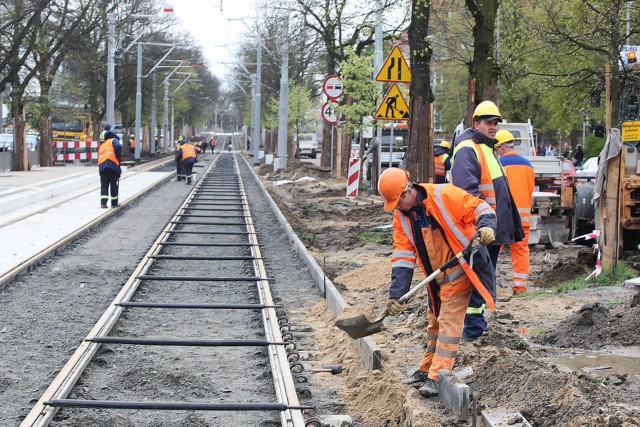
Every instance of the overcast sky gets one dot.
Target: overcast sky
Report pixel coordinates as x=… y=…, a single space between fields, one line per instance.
x=212 y=28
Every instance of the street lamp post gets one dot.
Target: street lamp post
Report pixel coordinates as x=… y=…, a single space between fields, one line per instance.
x=111 y=83
x=283 y=123
x=255 y=135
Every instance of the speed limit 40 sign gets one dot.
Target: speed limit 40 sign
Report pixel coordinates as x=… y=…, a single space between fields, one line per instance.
x=330 y=113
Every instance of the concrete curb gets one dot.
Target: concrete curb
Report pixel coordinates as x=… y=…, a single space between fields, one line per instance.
x=367 y=347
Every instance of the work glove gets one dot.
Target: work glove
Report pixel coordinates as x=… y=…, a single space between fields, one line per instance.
x=394 y=307
x=486 y=236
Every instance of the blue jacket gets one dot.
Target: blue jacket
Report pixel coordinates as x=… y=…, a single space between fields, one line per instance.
x=465 y=173
x=117 y=146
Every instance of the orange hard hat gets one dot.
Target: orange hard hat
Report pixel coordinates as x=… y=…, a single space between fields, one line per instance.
x=392 y=183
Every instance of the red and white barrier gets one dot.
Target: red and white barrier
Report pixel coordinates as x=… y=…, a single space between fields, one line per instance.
x=353 y=180
x=62 y=145
x=76 y=156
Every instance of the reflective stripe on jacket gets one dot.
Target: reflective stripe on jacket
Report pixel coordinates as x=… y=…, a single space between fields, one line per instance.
x=475 y=169
x=457 y=213
x=521 y=179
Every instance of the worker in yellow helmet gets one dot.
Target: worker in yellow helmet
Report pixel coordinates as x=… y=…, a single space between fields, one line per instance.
x=442 y=161
x=476 y=169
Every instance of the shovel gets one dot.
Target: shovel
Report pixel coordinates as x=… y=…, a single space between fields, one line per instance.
x=359 y=326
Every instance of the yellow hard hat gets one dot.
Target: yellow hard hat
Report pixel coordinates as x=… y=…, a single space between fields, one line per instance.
x=392 y=183
x=180 y=138
x=445 y=144
x=504 y=137
x=487 y=110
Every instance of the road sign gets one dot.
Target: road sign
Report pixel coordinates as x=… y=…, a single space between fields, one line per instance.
x=332 y=87
x=329 y=113
x=395 y=68
x=630 y=131
x=393 y=106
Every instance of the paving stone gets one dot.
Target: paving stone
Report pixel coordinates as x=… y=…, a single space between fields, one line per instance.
x=453 y=394
x=504 y=419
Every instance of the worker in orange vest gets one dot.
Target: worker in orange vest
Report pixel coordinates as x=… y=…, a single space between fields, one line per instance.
x=432 y=223
x=132 y=145
x=187 y=155
x=109 y=155
x=522 y=180
x=442 y=161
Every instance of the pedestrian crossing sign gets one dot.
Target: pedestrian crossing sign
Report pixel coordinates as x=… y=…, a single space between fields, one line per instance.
x=393 y=106
x=395 y=68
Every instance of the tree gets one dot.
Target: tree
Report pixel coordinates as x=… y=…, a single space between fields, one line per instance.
x=420 y=151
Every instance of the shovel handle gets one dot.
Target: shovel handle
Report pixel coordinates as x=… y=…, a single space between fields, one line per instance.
x=467 y=249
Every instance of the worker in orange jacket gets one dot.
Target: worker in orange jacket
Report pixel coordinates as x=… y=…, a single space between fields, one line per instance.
x=432 y=223
x=522 y=179
x=187 y=154
x=442 y=161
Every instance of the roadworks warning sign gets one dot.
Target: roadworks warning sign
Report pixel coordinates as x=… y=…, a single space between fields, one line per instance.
x=393 y=106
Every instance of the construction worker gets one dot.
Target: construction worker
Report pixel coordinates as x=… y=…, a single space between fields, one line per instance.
x=107 y=128
x=109 y=156
x=476 y=169
x=520 y=174
x=132 y=145
x=432 y=223
x=213 y=143
x=442 y=161
x=179 y=174
x=187 y=155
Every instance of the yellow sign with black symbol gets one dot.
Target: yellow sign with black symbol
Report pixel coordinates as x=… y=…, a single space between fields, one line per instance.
x=393 y=106
x=395 y=68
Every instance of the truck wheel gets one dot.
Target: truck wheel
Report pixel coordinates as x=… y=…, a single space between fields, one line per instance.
x=583 y=203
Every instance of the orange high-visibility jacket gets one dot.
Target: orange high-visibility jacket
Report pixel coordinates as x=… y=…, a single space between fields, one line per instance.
x=458 y=213
x=106 y=151
x=188 y=151
x=521 y=182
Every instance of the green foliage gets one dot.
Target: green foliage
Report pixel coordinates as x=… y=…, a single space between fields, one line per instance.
x=608 y=277
x=592 y=146
x=300 y=116
x=379 y=237
x=356 y=73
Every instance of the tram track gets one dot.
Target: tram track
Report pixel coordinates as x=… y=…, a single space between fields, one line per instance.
x=164 y=313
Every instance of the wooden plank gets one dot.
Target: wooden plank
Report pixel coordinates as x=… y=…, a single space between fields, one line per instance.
x=610 y=211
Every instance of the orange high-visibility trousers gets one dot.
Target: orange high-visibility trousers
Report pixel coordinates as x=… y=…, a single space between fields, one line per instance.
x=520 y=263
x=444 y=331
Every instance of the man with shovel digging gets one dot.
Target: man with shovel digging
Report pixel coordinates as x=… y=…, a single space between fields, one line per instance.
x=431 y=224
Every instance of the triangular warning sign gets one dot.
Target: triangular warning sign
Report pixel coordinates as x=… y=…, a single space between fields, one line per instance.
x=393 y=106
x=395 y=68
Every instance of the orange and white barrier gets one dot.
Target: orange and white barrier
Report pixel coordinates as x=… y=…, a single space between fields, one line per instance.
x=353 y=180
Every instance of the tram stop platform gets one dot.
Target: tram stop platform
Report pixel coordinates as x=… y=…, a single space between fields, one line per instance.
x=43 y=209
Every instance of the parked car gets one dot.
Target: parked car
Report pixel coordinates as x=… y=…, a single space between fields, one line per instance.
x=589 y=169
x=307 y=145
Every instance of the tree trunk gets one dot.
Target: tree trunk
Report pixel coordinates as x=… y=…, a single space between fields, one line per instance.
x=483 y=67
x=20 y=156
x=419 y=160
x=46 y=144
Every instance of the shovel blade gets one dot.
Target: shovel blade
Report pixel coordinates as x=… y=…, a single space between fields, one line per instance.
x=359 y=326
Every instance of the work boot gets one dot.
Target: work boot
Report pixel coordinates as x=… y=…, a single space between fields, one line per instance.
x=429 y=388
x=103 y=206
x=416 y=378
x=188 y=182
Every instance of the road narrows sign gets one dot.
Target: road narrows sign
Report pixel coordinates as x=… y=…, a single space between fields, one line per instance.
x=395 y=69
x=393 y=106
x=332 y=87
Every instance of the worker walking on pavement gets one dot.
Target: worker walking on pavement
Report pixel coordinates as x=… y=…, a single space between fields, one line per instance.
x=432 y=223
x=187 y=155
x=442 y=161
x=109 y=156
x=522 y=181
x=476 y=169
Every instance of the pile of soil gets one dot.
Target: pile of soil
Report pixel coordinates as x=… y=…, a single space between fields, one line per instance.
x=568 y=269
x=597 y=325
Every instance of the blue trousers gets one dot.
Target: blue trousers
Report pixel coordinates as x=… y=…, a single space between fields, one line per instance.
x=475 y=323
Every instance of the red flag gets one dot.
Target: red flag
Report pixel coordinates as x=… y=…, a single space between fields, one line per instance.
x=168 y=8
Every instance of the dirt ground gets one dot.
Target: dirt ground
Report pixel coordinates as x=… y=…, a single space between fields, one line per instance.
x=527 y=362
